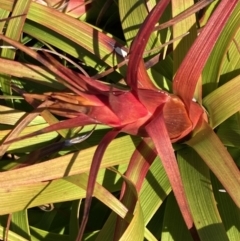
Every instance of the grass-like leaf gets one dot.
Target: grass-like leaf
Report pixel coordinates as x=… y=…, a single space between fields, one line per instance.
x=198 y=187
x=14 y=31
x=223 y=102
x=221 y=163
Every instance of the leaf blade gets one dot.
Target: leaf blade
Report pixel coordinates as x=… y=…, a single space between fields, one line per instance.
x=220 y=163
x=197 y=183
x=186 y=78
x=166 y=153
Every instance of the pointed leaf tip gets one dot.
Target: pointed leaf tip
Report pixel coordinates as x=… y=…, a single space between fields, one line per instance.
x=187 y=76
x=97 y=158
x=166 y=153
x=140 y=41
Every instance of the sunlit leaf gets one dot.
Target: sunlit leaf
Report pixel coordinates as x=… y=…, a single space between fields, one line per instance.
x=223 y=102
x=205 y=142
x=197 y=183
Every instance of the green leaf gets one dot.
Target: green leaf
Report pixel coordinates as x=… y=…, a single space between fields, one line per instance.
x=188 y=74
x=3 y=14
x=74 y=219
x=174 y=229
x=223 y=102
x=11 y=235
x=14 y=30
x=32 y=186
x=35 y=73
x=229 y=212
x=229 y=131
x=136 y=226
x=206 y=143
x=156 y=186
x=39 y=234
x=30 y=144
x=19 y=224
x=132 y=14
x=83 y=34
x=181 y=46
x=231 y=62
x=197 y=185
x=211 y=75
x=140 y=42
x=107 y=232
x=166 y=153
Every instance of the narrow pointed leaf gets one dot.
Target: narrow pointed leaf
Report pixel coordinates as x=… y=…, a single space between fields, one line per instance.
x=11 y=235
x=223 y=102
x=97 y=158
x=20 y=126
x=166 y=153
x=174 y=228
x=218 y=159
x=80 y=120
x=138 y=167
x=144 y=80
x=31 y=144
x=157 y=186
x=133 y=13
x=29 y=71
x=20 y=224
x=107 y=231
x=181 y=46
x=79 y=32
x=220 y=55
x=4 y=16
x=10 y=116
x=136 y=227
x=101 y=194
x=14 y=31
x=135 y=220
x=187 y=76
x=140 y=41
x=197 y=183
x=38 y=154
x=229 y=212
x=140 y=162
x=59 y=167
x=69 y=81
x=229 y=131
x=77 y=80
x=185 y=14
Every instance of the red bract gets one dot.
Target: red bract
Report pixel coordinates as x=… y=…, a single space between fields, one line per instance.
x=128 y=111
